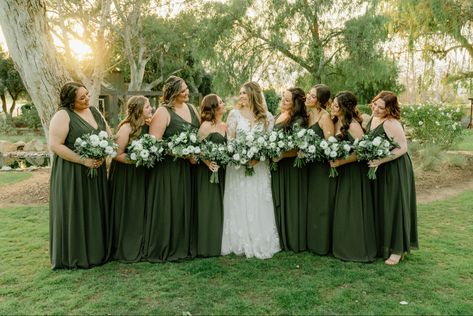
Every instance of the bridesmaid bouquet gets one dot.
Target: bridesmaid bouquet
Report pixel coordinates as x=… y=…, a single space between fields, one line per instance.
x=246 y=147
x=334 y=149
x=214 y=152
x=95 y=146
x=145 y=151
x=276 y=143
x=372 y=147
x=308 y=147
x=183 y=145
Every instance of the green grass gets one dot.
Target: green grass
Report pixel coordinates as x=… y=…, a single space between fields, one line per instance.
x=13 y=177
x=437 y=279
x=467 y=142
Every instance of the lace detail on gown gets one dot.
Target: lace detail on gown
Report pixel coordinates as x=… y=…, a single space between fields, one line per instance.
x=249 y=226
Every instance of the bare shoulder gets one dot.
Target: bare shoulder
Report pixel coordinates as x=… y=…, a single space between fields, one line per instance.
x=393 y=125
x=356 y=129
x=125 y=128
x=60 y=117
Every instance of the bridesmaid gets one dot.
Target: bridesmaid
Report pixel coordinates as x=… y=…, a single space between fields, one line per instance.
x=394 y=188
x=127 y=185
x=321 y=188
x=289 y=184
x=78 y=205
x=209 y=196
x=169 y=214
x=353 y=216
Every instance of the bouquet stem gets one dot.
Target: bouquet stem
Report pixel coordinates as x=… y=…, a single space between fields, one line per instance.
x=92 y=173
x=273 y=166
x=372 y=173
x=333 y=172
x=299 y=162
x=214 y=177
x=249 y=170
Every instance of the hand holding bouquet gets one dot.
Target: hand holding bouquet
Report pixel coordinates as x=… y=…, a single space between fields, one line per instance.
x=183 y=145
x=334 y=149
x=277 y=143
x=247 y=147
x=145 y=151
x=307 y=144
x=95 y=146
x=216 y=153
x=372 y=147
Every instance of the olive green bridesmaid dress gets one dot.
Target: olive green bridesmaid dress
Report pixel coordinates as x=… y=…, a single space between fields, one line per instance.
x=320 y=203
x=128 y=185
x=289 y=190
x=79 y=221
x=395 y=204
x=170 y=218
x=209 y=206
x=354 y=237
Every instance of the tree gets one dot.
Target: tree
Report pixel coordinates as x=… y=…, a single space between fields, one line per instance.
x=441 y=26
x=27 y=34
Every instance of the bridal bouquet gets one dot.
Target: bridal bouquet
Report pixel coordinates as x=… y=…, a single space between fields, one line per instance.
x=373 y=147
x=246 y=147
x=276 y=143
x=145 y=151
x=334 y=149
x=214 y=152
x=95 y=146
x=183 y=145
x=308 y=147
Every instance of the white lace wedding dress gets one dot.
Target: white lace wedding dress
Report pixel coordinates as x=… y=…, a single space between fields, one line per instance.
x=249 y=225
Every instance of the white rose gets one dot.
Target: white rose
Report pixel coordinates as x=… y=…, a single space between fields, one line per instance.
x=333 y=154
x=332 y=139
x=94 y=140
x=272 y=137
x=108 y=150
x=133 y=156
x=185 y=151
x=327 y=151
x=103 y=134
x=193 y=138
x=346 y=147
x=380 y=152
x=377 y=141
x=323 y=144
x=363 y=144
x=114 y=154
x=236 y=157
x=301 y=133
x=260 y=140
x=272 y=145
x=281 y=144
x=144 y=154
x=103 y=143
x=153 y=149
x=290 y=144
x=249 y=138
x=78 y=141
x=304 y=145
x=311 y=149
x=139 y=146
x=84 y=144
x=196 y=150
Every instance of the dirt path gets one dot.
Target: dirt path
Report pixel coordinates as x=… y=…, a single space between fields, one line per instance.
x=431 y=186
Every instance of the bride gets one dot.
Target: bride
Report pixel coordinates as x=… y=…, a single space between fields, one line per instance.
x=249 y=226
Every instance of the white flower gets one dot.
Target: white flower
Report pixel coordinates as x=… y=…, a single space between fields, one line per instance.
x=362 y=144
x=323 y=144
x=94 y=140
x=380 y=152
x=304 y=145
x=290 y=144
x=153 y=149
x=327 y=151
x=421 y=123
x=78 y=140
x=272 y=137
x=301 y=133
x=260 y=140
x=356 y=142
x=333 y=154
x=138 y=146
x=262 y=158
x=84 y=144
x=103 y=134
x=103 y=143
x=377 y=141
x=311 y=149
x=386 y=144
x=230 y=148
x=281 y=144
x=193 y=138
x=144 y=154
x=236 y=157
x=346 y=147
x=332 y=139
x=272 y=145
x=196 y=150
x=108 y=150
x=114 y=154
x=133 y=156
x=185 y=151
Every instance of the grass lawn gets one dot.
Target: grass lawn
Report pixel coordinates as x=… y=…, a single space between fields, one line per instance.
x=467 y=141
x=12 y=177
x=437 y=279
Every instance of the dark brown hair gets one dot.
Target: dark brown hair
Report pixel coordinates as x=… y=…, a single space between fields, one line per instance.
x=298 y=110
x=391 y=105
x=208 y=108
x=323 y=95
x=68 y=94
x=347 y=103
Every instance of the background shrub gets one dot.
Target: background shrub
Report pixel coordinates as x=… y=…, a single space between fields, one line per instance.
x=433 y=124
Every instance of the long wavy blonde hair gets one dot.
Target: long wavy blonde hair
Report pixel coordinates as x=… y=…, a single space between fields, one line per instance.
x=256 y=101
x=134 y=115
x=171 y=89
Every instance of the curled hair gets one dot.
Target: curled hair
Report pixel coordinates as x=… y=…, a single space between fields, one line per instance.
x=256 y=102
x=347 y=103
x=68 y=94
x=171 y=89
x=391 y=105
x=298 y=110
x=134 y=115
x=208 y=108
x=323 y=95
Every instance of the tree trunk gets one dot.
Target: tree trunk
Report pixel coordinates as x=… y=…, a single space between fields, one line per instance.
x=27 y=34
